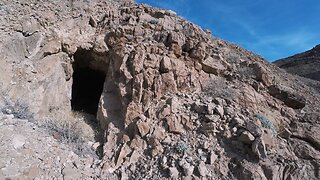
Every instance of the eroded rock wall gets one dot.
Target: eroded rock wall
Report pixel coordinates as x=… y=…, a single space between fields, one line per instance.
x=176 y=102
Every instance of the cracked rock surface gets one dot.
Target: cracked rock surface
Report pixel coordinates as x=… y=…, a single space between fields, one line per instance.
x=175 y=101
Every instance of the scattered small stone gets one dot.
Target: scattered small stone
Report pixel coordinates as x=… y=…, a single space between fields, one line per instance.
x=219 y=109
x=174 y=173
x=259 y=148
x=213 y=157
x=285 y=133
x=202 y=169
x=18 y=141
x=246 y=137
x=187 y=167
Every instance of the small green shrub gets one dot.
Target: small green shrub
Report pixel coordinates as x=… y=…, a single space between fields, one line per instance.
x=181 y=147
x=266 y=123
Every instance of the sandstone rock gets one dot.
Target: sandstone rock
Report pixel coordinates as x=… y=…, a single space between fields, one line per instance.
x=52 y=47
x=18 y=141
x=165 y=65
x=174 y=104
x=259 y=148
x=30 y=26
x=291 y=99
x=70 y=173
x=213 y=65
x=177 y=50
x=92 y=22
x=237 y=121
x=100 y=46
x=159 y=92
x=176 y=37
x=246 y=137
x=213 y=118
x=202 y=169
x=125 y=150
x=173 y=173
x=187 y=167
x=262 y=74
x=199 y=51
x=210 y=108
x=213 y=157
x=174 y=124
x=143 y=128
x=267 y=137
x=254 y=129
x=219 y=110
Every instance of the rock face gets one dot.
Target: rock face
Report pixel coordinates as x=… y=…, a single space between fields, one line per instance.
x=171 y=100
x=304 y=64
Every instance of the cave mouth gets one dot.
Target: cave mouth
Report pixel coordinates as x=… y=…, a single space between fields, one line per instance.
x=87 y=83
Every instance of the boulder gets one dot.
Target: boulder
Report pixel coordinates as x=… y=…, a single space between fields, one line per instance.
x=213 y=65
x=290 y=98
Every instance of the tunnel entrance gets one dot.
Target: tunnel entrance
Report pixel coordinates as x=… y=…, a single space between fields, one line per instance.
x=88 y=82
x=86 y=90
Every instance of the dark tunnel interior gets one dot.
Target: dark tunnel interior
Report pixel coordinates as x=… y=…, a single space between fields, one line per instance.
x=87 y=86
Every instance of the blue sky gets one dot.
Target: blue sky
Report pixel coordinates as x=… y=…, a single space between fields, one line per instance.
x=271 y=28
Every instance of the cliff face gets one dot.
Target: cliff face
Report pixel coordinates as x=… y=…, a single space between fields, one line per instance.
x=170 y=100
x=306 y=64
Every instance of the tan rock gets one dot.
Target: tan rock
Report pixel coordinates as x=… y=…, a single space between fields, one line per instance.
x=202 y=169
x=52 y=47
x=246 y=137
x=213 y=65
x=174 y=173
x=125 y=150
x=18 y=141
x=262 y=74
x=143 y=128
x=259 y=148
x=165 y=65
x=268 y=137
x=174 y=124
x=199 y=52
x=32 y=172
x=100 y=46
x=177 y=50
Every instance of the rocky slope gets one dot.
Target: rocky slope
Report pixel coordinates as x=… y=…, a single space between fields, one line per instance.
x=306 y=64
x=30 y=152
x=168 y=99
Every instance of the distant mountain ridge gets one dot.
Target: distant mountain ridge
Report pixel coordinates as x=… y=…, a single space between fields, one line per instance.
x=306 y=64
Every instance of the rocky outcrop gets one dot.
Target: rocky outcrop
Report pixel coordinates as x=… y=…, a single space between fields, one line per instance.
x=304 y=64
x=175 y=101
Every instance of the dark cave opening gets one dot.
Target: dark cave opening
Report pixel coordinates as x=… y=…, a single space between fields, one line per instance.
x=87 y=83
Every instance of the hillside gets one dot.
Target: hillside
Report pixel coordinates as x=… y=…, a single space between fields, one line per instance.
x=306 y=64
x=119 y=90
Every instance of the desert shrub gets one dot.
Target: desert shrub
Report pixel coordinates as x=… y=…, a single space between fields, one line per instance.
x=218 y=87
x=154 y=21
x=266 y=123
x=68 y=129
x=18 y=108
x=181 y=147
x=233 y=58
x=246 y=72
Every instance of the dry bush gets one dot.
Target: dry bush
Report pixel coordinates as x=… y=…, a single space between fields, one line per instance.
x=71 y=129
x=18 y=108
x=218 y=87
